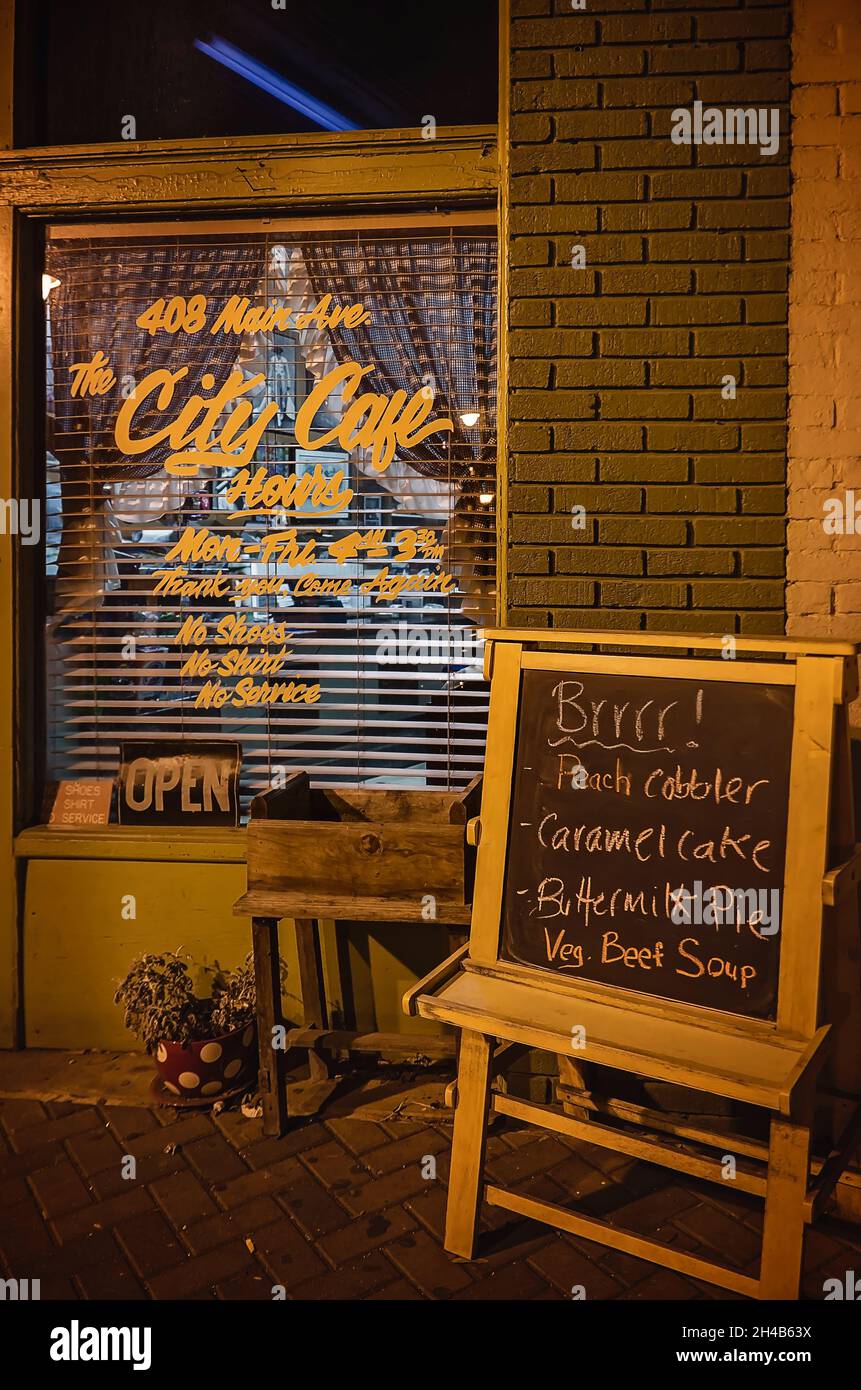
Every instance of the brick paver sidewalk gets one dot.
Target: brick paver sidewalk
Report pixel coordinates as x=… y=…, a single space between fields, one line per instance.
x=338 y=1209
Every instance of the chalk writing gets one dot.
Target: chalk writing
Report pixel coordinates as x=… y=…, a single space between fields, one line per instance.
x=673 y=776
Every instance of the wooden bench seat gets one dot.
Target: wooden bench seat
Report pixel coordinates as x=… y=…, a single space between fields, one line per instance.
x=738 y=1059
x=272 y=903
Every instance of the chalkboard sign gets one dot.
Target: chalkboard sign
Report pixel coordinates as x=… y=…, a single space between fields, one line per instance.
x=660 y=837
x=642 y=809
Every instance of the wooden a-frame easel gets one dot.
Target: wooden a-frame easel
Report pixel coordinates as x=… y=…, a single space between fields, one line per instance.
x=808 y=1060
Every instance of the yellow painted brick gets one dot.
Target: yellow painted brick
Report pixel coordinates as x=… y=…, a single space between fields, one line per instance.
x=847 y=598
x=826 y=41
x=849 y=409
x=813 y=163
x=827 y=130
x=815 y=101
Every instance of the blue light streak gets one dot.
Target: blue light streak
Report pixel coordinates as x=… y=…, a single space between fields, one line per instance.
x=277 y=86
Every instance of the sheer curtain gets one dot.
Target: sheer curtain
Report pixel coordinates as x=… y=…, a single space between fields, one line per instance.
x=432 y=326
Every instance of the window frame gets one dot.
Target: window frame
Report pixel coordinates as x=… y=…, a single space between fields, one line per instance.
x=384 y=178
x=377 y=177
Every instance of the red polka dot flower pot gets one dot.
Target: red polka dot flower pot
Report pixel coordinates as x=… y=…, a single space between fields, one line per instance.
x=205 y=1070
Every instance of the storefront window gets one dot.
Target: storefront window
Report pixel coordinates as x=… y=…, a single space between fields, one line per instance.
x=290 y=567
x=227 y=68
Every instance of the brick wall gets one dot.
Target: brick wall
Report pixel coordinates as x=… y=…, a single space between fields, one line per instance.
x=615 y=370
x=824 y=569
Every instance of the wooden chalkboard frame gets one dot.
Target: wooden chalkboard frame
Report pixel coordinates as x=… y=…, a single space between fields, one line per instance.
x=783 y=1066
x=818 y=689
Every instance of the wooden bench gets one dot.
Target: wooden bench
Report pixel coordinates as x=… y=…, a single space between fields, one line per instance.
x=345 y=855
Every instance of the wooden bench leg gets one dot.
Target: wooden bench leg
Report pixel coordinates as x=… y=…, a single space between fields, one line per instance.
x=267 y=977
x=313 y=987
x=468 y=1143
x=783 y=1228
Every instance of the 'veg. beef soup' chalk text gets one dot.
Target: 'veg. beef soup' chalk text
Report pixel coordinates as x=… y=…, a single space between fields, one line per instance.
x=633 y=794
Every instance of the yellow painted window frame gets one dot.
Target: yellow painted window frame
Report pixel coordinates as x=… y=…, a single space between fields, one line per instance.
x=387 y=176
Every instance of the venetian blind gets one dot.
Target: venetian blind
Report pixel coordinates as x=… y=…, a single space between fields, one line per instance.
x=394 y=649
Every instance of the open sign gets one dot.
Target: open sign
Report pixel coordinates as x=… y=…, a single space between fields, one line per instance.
x=179 y=782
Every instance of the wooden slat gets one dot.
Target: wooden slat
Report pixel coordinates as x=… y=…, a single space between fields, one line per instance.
x=168 y=844
x=618 y=1239
x=466 y=218
x=490 y=863
x=682 y=1160
x=293 y=799
x=468 y=802
x=264 y=932
x=677 y=668
x=468 y=1144
x=732 y=1143
x=783 y=1229
x=296 y=172
x=615 y=996
x=806 y=847
x=726 y=1140
x=434 y=980
x=376 y=858
x=692 y=641
x=261 y=902
x=399 y=1044
x=844 y=879
x=310 y=973
x=763 y=1071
